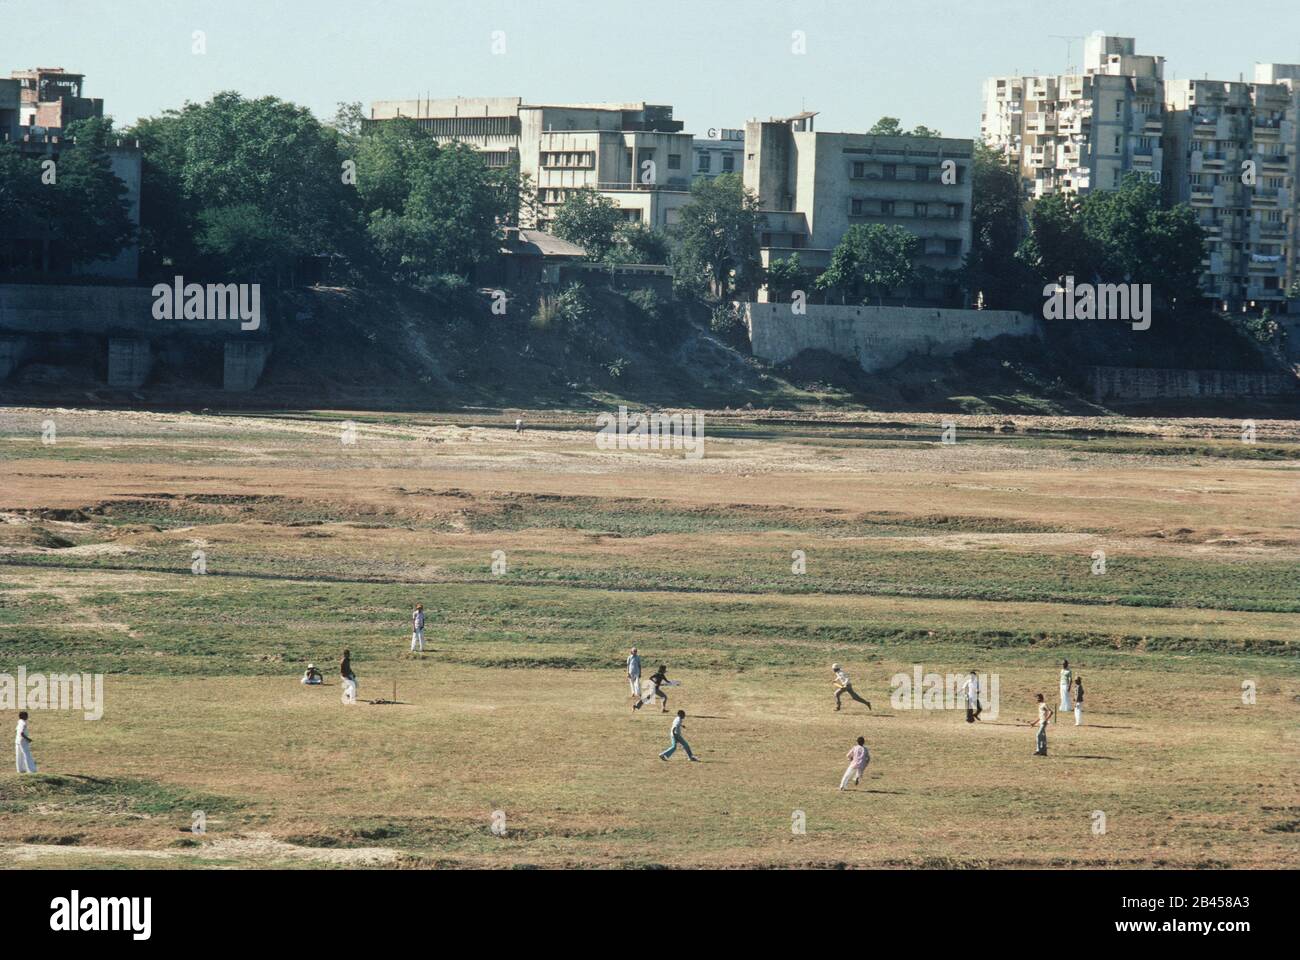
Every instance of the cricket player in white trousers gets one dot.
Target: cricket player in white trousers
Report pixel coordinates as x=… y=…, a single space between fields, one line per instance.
x=634 y=674
x=349 y=678
x=23 y=746
x=858 y=760
x=1066 y=679
x=417 y=629
x=972 y=688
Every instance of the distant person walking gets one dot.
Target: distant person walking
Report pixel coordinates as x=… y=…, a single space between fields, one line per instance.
x=658 y=680
x=634 y=676
x=1066 y=678
x=677 y=740
x=972 y=689
x=843 y=686
x=859 y=757
x=417 y=629
x=1078 y=701
x=349 y=678
x=519 y=424
x=23 y=746
x=1044 y=715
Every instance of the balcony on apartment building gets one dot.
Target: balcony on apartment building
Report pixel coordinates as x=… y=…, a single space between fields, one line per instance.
x=671 y=185
x=1039 y=124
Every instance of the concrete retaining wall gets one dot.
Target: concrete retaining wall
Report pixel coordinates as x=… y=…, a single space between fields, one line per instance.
x=129 y=362
x=1134 y=383
x=13 y=351
x=73 y=308
x=877 y=337
x=244 y=362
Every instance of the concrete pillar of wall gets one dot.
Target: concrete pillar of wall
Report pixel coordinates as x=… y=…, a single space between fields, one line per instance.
x=245 y=360
x=13 y=351
x=129 y=362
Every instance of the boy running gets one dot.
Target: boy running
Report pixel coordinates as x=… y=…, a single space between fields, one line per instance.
x=842 y=686
x=858 y=760
x=676 y=739
x=657 y=681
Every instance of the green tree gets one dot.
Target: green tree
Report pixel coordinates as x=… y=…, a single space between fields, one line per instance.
x=992 y=268
x=887 y=127
x=430 y=209
x=717 y=237
x=25 y=208
x=921 y=130
x=245 y=239
x=638 y=243
x=871 y=259
x=74 y=213
x=588 y=219
x=1119 y=236
x=784 y=276
x=232 y=153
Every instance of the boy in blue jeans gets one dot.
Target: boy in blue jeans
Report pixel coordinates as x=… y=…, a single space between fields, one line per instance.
x=676 y=739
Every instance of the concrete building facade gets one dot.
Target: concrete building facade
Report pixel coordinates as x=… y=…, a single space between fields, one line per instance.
x=813 y=186
x=715 y=156
x=633 y=153
x=1233 y=154
x=1073 y=133
x=36 y=107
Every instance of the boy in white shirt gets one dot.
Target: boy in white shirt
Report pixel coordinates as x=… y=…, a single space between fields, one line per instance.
x=634 y=675
x=677 y=740
x=23 y=746
x=417 y=631
x=1067 y=678
x=842 y=686
x=973 y=708
x=1044 y=715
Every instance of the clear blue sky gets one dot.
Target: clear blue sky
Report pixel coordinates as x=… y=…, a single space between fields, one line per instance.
x=718 y=62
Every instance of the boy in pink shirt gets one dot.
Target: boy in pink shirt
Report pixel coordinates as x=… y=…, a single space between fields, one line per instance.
x=858 y=760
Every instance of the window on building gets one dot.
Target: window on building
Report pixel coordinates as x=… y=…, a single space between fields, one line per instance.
x=859 y=169
x=920 y=210
x=856 y=207
x=887 y=208
x=922 y=173
x=890 y=171
x=704 y=163
x=674 y=161
x=728 y=163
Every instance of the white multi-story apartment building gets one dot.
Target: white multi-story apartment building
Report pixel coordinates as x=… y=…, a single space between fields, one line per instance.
x=633 y=153
x=1233 y=149
x=1072 y=133
x=1076 y=133
x=812 y=187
